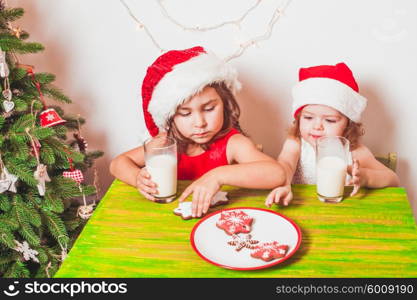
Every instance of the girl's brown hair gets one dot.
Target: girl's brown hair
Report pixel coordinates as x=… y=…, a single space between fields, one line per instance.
x=352 y=132
x=231 y=114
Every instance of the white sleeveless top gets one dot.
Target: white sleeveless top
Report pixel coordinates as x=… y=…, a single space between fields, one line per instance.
x=306 y=167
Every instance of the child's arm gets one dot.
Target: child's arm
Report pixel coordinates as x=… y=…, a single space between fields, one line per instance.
x=288 y=158
x=369 y=172
x=128 y=167
x=252 y=169
x=249 y=168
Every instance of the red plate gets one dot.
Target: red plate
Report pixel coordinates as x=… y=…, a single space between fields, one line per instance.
x=211 y=242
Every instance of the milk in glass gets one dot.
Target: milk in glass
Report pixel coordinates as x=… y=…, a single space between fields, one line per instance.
x=332 y=154
x=331 y=176
x=161 y=164
x=163 y=171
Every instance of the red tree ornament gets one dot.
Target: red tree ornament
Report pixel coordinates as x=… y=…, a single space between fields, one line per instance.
x=75 y=175
x=50 y=118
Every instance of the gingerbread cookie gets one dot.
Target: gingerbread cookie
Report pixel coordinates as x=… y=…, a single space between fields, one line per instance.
x=244 y=241
x=219 y=198
x=269 y=251
x=234 y=221
x=184 y=208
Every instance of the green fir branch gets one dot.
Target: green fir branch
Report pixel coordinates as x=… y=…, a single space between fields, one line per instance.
x=42 y=255
x=20 y=105
x=56 y=227
x=95 y=154
x=24 y=35
x=61 y=131
x=89 y=190
x=11 y=14
x=2 y=120
x=24 y=218
x=7 y=258
x=42 y=132
x=7 y=238
x=62 y=150
x=29 y=235
x=12 y=43
x=17 y=74
x=7 y=222
x=47 y=154
x=17 y=270
x=52 y=269
x=55 y=93
x=53 y=203
x=73 y=224
x=32 y=214
x=44 y=78
x=66 y=188
x=5 y=202
x=22 y=170
x=71 y=123
x=19 y=147
x=20 y=125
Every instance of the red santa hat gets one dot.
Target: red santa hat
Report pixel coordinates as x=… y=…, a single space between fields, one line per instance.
x=177 y=75
x=333 y=86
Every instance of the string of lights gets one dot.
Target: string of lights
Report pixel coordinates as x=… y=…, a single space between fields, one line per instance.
x=236 y=22
x=278 y=12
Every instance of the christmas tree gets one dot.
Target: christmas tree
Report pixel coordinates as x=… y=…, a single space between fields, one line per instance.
x=42 y=160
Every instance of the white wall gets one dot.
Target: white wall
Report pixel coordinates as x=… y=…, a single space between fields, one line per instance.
x=100 y=59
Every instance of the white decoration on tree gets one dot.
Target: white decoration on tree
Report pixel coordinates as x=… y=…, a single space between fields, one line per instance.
x=6 y=176
x=85 y=211
x=8 y=106
x=50 y=117
x=28 y=253
x=4 y=185
x=41 y=175
x=4 y=68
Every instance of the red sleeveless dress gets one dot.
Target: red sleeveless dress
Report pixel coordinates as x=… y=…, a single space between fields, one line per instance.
x=192 y=167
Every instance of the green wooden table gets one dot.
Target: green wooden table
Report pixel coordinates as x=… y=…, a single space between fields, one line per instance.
x=371 y=235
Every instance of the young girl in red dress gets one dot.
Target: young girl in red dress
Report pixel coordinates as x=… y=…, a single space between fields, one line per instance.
x=189 y=96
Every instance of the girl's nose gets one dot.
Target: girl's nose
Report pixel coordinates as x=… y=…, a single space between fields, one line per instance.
x=318 y=124
x=199 y=121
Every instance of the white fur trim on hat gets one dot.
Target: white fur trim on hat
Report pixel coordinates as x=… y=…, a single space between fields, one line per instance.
x=187 y=79
x=329 y=92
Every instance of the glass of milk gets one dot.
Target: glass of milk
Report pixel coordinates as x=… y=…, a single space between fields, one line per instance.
x=332 y=158
x=161 y=164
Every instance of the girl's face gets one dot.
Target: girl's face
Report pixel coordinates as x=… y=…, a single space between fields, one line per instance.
x=321 y=120
x=201 y=117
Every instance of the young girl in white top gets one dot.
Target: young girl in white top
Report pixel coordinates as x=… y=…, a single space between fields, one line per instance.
x=326 y=102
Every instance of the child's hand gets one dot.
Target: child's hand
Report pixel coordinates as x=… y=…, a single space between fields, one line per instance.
x=145 y=185
x=280 y=195
x=357 y=177
x=203 y=190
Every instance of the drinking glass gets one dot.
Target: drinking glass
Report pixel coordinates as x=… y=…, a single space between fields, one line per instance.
x=161 y=164
x=332 y=159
